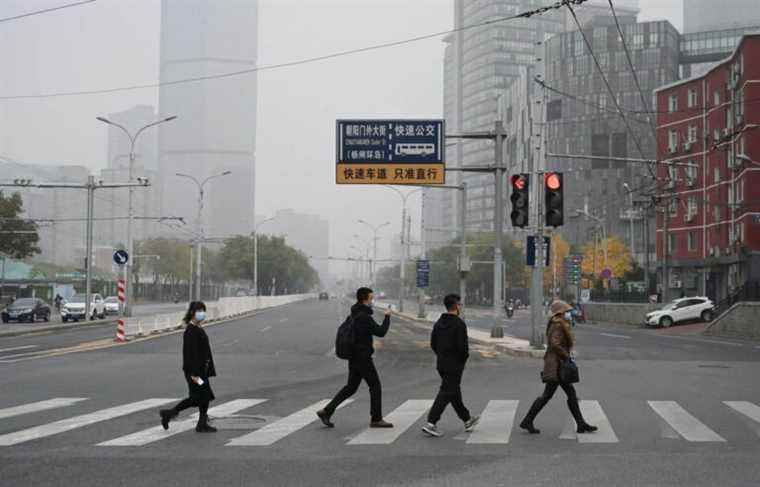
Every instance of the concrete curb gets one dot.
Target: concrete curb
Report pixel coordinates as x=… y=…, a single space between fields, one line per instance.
x=32 y=331
x=509 y=344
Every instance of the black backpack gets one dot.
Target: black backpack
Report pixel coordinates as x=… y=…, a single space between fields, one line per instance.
x=344 y=339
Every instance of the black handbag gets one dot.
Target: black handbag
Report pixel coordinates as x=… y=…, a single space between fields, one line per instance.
x=568 y=372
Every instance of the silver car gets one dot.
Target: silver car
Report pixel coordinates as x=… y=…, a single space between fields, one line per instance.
x=112 y=305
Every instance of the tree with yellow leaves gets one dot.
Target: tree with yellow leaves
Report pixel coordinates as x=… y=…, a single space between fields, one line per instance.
x=560 y=249
x=618 y=257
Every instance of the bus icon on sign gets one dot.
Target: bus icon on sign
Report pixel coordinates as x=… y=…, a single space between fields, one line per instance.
x=415 y=149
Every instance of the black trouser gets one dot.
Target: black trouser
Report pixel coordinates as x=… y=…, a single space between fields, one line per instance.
x=358 y=369
x=549 y=390
x=198 y=396
x=450 y=392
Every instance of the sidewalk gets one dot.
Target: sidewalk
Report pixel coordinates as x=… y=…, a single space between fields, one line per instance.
x=516 y=347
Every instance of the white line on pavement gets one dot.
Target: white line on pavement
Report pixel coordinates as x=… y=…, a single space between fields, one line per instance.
x=78 y=421
x=746 y=408
x=34 y=407
x=280 y=429
x=26 y=347
x=157 y=433
x=495 y=426
x=283 y=320
x=402 y=418
x=594 y=415
x=266 y=328
x=717 y=342
x=686 y=425
x=615 y=336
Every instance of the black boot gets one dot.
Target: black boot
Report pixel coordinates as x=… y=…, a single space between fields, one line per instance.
x=166 y=416
x=575 y=410
x=203 y=426
x=527 y=423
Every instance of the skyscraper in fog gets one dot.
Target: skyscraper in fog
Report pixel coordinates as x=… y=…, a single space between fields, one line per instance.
x=216 y=126
x=710 y=15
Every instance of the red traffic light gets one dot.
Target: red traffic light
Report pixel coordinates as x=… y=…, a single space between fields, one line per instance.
x=552 y=181
x=519 y=181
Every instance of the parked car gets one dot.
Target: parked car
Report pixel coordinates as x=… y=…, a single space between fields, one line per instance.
x=74 y=309
x=323 y=296
x=112 y=305
x=26 y=309
x=683 y=309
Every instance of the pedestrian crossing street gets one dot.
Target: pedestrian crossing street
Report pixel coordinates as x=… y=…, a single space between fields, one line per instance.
x=498 y=420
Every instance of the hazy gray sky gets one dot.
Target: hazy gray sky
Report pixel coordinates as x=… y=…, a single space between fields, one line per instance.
x=115 y=42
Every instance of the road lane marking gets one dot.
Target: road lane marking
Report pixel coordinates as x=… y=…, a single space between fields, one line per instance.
x=402 y=418
x=26 y=347
x=157 y=433
x=686 y=425
x=79 y=421
x=746 y=408
x=593 y=414
x=266 y=328
x=612 y=335
x=692 y=339
x=278 y=430
x=283 y=320
x=495 y=426
x=34 y=407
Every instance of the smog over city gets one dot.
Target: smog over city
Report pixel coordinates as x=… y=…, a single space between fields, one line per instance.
x=508 y=164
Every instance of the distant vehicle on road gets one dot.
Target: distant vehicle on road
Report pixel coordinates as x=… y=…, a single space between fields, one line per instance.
x=112 y=305
x=680 y=310
x=323 y=296
x=74 y=309
x=26 y=309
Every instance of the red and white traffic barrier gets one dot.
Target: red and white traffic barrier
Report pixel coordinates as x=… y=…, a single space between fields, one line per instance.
x=120 y=335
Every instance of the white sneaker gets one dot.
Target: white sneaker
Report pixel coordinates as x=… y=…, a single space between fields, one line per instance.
x=469 y=425
x=432 y=430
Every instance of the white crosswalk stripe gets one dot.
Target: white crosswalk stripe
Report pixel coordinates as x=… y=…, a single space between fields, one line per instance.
x=495 y=426
x=157 y=433
x=402 y=418
x=748 y=409
x=33 y=407
x=594 y=415
x=278 y=430
x=686 y=425
x=78 y=421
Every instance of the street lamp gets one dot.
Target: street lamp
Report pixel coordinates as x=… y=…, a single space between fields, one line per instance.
x=375 y=229
x=363 y=256
x=367 y=245
x=130 y=240
x=199 y=229
x=402 y=272
x=256 y=255
x=630 y=196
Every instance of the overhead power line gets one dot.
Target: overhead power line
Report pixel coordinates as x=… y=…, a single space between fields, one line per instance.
x=47 y=10
x=522 y=15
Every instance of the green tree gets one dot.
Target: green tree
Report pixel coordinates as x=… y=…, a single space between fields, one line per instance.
x=18 y=237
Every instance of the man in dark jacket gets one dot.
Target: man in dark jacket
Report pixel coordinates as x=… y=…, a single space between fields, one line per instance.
x=361 y=366
x=450 y=344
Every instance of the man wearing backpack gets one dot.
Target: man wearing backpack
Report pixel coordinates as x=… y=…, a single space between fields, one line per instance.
x=360 y=364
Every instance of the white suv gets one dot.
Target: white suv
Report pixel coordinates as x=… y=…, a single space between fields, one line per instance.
x=74 y=309
x=684 y=309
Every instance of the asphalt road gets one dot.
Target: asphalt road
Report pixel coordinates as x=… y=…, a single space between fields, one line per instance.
x=660 y=403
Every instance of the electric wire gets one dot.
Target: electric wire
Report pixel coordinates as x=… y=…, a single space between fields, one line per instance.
x=47 y=10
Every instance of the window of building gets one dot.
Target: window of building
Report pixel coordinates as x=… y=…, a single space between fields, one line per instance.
x=716 y=135
x=673 y=208
x=691 y=174
x=672 y=140
x=716 y=97
x=692 y=99
x=672 y=103
x=692 y=134
x=716 y=214
x=740 y=191
x=717 y=174
x=691 y=208
x=692 y=238
x=672 y=242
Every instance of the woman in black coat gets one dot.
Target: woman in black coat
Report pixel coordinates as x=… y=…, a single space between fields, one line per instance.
x=198 y=366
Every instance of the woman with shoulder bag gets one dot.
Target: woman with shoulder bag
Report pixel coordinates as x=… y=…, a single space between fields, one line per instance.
x=559 y=369
x=198 y=366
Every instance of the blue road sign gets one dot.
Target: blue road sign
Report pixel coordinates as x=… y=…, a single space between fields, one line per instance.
x=390 y=151
x=121 y=257
x=423 y=273
x=531 y=251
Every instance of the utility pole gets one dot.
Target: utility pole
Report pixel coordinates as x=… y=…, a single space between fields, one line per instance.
x=128 y=268
x=375 y=238
x=538 y=164
x=402 y=272
x=90 y=186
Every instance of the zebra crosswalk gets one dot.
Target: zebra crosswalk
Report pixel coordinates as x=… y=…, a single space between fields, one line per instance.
x=498 y=420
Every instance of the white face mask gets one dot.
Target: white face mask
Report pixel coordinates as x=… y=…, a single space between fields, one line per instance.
x=200 y=315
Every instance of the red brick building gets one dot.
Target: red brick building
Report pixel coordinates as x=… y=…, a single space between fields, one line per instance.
x=710 y=126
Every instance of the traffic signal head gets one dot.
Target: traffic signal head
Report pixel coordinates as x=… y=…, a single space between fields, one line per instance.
x=520 y=199
x=554 y=199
